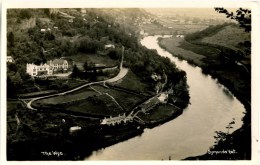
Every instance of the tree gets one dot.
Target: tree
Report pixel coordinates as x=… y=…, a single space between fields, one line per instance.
x=242 y=16
x=86 y=66
x=25 y=14
x=17 y=80
x=10 y=39
x=39 y=23
x=221 y=136
x=47 y=12
x=113 y=54
x=75 y=71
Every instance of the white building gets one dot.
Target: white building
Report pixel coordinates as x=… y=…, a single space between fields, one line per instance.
x=37 y=70
x=74 y=129
x=9 y=59
x=180 y=36
x=116 y=120
x=83 y=11
x=48 y=68
x=109 y=46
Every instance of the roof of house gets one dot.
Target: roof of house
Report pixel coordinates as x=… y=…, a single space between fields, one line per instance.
x=58 y=61
x=150 y=103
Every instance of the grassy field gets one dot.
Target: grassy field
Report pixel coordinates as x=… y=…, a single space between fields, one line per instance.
x=229 y=37
x=203 y=50
x=173 y=45
x=126 y=100
x=12 y=106
x=81 y=58
x=94 y=100
x=100 y=105
x=153 y=29
x=87 y=92
x=133 y=82
x=43 y=87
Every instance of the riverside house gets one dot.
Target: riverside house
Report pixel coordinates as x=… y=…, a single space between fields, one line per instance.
x=116 y=120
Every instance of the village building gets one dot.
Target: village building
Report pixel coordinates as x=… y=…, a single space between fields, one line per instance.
x=109 y=46
x=149 y=104
x=74 y=129
x=163 y=97
x=180 y=36
x=49 y=68
x=83 y=11
x=37 y=70
x=9 y=59
x=53 y=10
x=156 y=77
x=116 y=120
x=142 y=32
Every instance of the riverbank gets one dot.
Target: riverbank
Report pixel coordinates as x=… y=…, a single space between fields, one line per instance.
x=55 y=136
x=238 y=84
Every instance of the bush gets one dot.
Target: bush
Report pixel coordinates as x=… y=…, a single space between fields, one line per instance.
x=113 y=54
x=25 y=14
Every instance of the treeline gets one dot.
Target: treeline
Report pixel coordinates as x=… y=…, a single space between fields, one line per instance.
x=145 y=62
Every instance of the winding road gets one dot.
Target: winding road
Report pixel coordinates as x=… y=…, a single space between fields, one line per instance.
x=122 y=72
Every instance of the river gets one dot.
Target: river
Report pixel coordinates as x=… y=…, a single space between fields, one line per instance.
x=212 y=108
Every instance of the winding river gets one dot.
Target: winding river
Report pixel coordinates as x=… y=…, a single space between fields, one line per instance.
x=212 y=108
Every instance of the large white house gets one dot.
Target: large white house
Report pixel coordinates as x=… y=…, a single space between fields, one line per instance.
x=52 y=66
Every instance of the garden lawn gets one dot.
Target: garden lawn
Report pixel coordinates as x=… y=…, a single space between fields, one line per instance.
x=81 y=58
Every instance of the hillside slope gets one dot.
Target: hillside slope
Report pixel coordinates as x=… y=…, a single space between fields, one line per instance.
x=229 y=36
